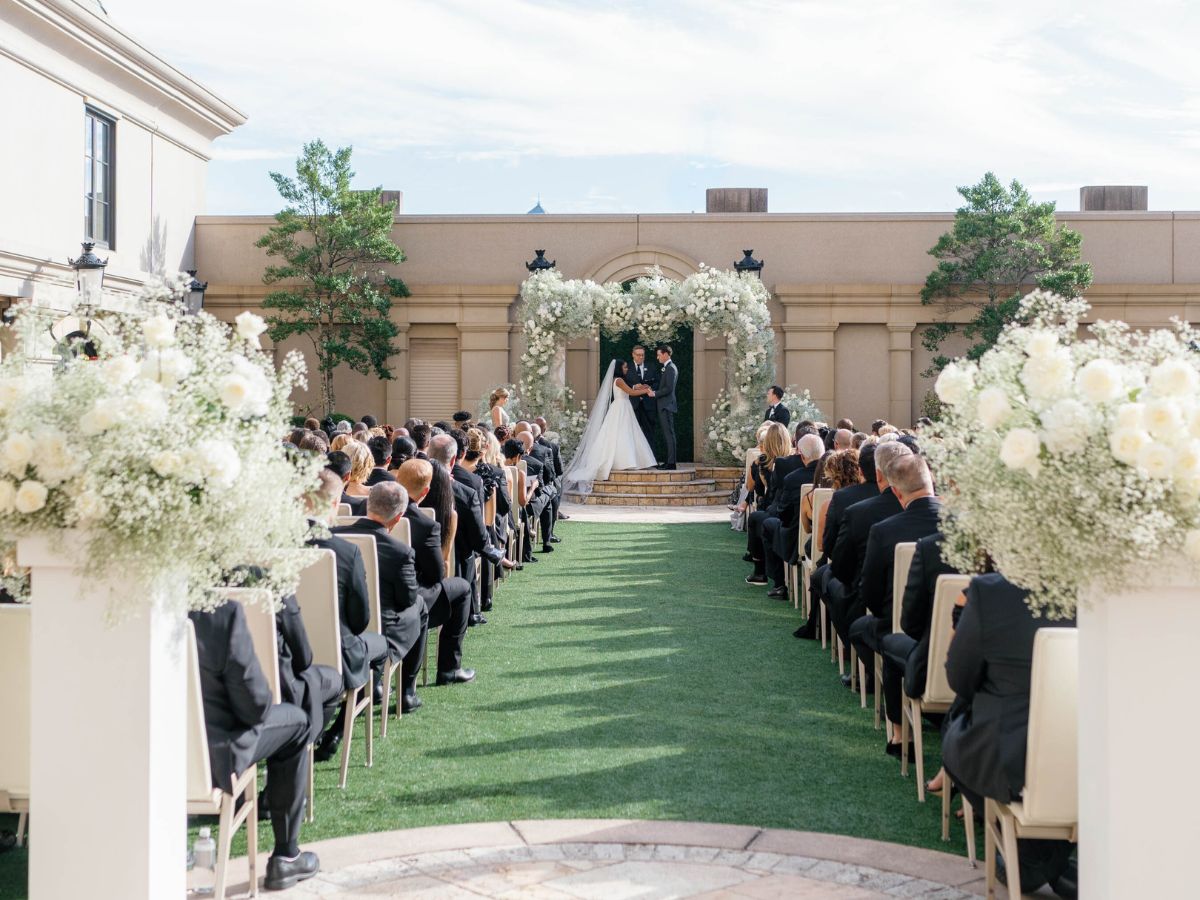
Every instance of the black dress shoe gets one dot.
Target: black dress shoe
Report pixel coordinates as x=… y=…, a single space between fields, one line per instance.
x=458 y=676
x=328 y=747
x=756 y=579
x=804 y=633
x=845 y=681
x=746 y=557
x=531 y=559
x=264 y=808
x=670 y=467
x=283 y=873
x=377 y=690
x=546 y=548
x=779 y=593
x=485 y=606
x=562 y=517
x=555 y=539
x=661 y=466
x=476 y=619
x=410 y=703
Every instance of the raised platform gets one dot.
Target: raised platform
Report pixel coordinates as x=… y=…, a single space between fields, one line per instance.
x=689 y=485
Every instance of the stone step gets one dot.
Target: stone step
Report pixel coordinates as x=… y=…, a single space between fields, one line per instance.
x=710 y=498
x=658 y=487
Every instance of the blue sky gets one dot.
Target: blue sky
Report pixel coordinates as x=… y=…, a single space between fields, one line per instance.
x=479 y=107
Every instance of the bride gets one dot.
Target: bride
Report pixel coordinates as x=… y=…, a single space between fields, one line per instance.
x=612 y=439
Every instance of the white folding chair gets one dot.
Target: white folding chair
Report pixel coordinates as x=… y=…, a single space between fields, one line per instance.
x=339 y=521
x=402 y=531
x=798 y=589
x=206 y=799
x=264 y=631
x=1049 y=804
x=317 y=596
x=366 y=546
x=15 y=661
x=343 y=509
x=938 y=695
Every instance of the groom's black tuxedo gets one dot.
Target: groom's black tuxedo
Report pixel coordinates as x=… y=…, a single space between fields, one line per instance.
x=664 y=394
x=644 y=408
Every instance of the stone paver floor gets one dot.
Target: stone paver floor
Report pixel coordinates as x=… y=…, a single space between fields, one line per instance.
x=619 y=859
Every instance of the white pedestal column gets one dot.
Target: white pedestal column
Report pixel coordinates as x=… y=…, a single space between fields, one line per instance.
x=108 y=783
x=1138 y=735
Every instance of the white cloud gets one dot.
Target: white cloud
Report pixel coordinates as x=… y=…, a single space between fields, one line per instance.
x=847 y=91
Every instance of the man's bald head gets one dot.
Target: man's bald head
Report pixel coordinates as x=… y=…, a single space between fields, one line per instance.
x=525 y=438
x=521 y=427
x=886 y=454
x=540 y=422
x=842 y=439
x=535 y=430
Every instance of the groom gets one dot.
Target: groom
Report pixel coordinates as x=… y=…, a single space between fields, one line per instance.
x=664 y=396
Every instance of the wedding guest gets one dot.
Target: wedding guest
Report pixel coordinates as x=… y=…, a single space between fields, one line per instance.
x=343 y=427
x=781 y=467
x=403 y=449
x=443 y=427
x=312 y=423
x=359 y=430
x=553 y=469
x=340 y=440
x=860 y=438
x=989 y=666
x=362 y=463
x=906 y=652
x=522 y=497
x=876 y=425
x=369 y=421
x=420 y=433
x=756 y=481
x=496 y=404
x=908 y=476
x=846 y=424
x=243 y=726
x=296 y=435
x=314 y=442
x=381 y=455
x=312 y=687
x=843 y=439
x=543 y=493
x=339 y=463
x=780 y=528
x=841 y=588
x=776 y=411
x=462 y=419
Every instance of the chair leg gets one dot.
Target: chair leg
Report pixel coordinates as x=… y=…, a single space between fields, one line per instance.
x=841 y=657
x=397 y=672
x=862 y=680
x=224 y=842
x=310 y=813
x=387 y=696
x=989 y=850
x=878 y=692
x=1012 y=862
x=918 y=748
x=370 y=725
x=903 y=737
x=853 y=669
x=351 y=702
x=824 y=625
x=946 y=792
x=252 y=833
x=22 y=823
x=969 y=825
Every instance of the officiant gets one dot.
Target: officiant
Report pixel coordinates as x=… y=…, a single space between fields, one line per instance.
x=645 y=408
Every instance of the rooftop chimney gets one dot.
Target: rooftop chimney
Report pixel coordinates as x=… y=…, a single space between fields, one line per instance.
x=1110 y=197
x=736 y=200
x=396 y=197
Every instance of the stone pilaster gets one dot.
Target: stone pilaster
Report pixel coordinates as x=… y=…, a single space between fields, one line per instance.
x=900 y=411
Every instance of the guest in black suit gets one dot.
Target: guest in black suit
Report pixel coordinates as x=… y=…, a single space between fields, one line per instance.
x=362 y=650
x=911 y=482
x=778 y=470
x=381 y=453
x=644 y=407
x=339 y=463
x=776 y=411
x=314 y=688
x=782 y=520
x=542 y=507
x=906 y=653
x=243 y=727
x=550 y=450
x=841 y=590
x=989 y=666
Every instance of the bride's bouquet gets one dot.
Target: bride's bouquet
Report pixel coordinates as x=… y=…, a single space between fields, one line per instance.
x=1071 y=462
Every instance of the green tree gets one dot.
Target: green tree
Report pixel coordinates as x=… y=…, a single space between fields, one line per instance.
x=1002 y=243
x=333 y=243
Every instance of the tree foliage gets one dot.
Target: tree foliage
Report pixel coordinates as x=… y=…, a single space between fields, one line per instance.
x=1002 y=244
x=333 y=243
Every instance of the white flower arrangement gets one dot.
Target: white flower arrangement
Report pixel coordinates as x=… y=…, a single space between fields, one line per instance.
x=717 y=303
x=165 y=453
x=1071 y=462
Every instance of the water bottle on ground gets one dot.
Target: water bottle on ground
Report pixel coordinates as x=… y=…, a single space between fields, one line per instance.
x=204 y=858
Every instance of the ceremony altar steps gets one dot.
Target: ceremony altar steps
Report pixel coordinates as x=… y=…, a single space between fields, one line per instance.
x=689 y=485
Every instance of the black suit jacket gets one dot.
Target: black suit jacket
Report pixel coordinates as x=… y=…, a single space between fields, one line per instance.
x=784 y=466
x=919 y=519
x=555 y=455
x=426 y=535
x=649 y=378
x=462 y=476
x=664 y=394
x=989 y=668
x=401 y=602
x=851 y=547
x=377 y=475
x=778 y=413
x=235 y=691
x=358 y=505
x=354 y=608
x=916 y=609
x=835 y=512
x=787 y=501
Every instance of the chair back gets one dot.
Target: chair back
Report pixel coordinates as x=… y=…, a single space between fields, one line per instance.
x=402 y=531
x=523 y=465
x=937 y=687
x=427 y=512
x=805 y=490
x=370 y=554
x=343 y=509
x=1051 y=793
x=317 y=595
x=821 y=498
x=264 y=631
x=901 y=563
x=339 y=521
x=199 y=770
x=15 y=662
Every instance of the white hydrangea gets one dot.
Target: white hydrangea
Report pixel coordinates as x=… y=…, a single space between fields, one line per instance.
x=1020 y=449
x=993 y=407
x=1100 y=381
x=1174 y=378
x=954 y=383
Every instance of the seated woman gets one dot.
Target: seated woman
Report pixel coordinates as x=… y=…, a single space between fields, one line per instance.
x=441 y=500
x=751 y=488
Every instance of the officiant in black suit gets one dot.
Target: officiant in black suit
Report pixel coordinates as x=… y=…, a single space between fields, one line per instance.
x=776 y=411
x=644 y=406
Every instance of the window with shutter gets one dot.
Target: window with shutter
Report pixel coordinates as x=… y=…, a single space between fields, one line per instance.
x=433 y=378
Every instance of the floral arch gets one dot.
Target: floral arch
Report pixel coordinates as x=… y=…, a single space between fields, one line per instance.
x=717 y=303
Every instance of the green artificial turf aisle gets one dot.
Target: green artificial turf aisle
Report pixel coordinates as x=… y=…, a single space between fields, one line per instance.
x=633 y=674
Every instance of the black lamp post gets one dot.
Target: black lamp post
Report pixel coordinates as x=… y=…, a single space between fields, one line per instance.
x=89 y=281
x=540 y=263
x=749 y=264
x=195 y=298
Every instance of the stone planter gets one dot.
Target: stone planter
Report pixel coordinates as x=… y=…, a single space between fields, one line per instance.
x=108 y=780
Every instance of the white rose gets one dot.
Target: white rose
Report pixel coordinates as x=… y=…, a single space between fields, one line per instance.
x=1126 y=443
x=1156 y=460
x=1191 y=543
x=149 y=403
x=167 y=367
x=89 y=507
x=1174 y=378
x=165 y=463
x=1048 y=375
x=954 y=384
x=1100 y=381
x=1020 y=449
x=234 y=391
x=55 y=461
x=217 y=461
x=1163 y=418
x=1067 y=424
x=17 y=451
x=31 y=496
x=120 y=370
x=1187 y=463
x=250 y=326
x=98 y=419
x=993 y=407
x=1041 y=343
x=1131 y=415
x=159 y=331
x=8 y=495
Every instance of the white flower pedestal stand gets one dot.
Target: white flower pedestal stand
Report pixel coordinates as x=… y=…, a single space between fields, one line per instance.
x=1139 y=732
x=108 y=783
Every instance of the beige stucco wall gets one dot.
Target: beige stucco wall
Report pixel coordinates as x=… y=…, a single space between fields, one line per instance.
x=845 y=291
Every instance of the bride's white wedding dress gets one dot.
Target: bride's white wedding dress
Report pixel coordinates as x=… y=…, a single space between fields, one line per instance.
x=613 y=440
